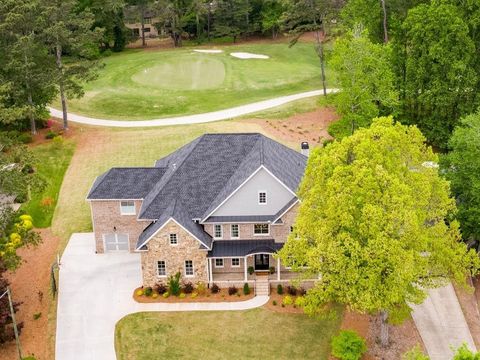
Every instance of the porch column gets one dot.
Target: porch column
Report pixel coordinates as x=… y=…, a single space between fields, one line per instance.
x=278 y=269
x=210 y=275
x=245 y=268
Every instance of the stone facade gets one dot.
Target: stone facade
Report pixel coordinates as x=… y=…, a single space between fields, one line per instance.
x=159 y=248
x=106 y=215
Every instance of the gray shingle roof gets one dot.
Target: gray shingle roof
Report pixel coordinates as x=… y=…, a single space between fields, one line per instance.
x=244 y=218
x=125 y=183
x=222 y=248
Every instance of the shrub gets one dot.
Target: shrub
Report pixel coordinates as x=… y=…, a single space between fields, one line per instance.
x=271 y=269
x=58 y=141
x=348 y=345
x=166 y=294
x=292 y=290
x=287 y=300
x=148 y=291
x=214 y=289
x=464 y=353
x=302 y=291
x=274 y=303
x=246 y=289
x=201 y=288
x=37 y=316
x=279 y=289
x=251 y=270
x=174 y=284
x=50 y=134
x=25 y=138
x=188 y=288
x=232 y=290
x=154 y=295
x=194 y=295
x=139 y=292
x=161 y=288
x=300 y=301
x=283 y=305
x=415 y=353
x=182 y=295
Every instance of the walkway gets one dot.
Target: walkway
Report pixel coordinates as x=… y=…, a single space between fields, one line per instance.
x=193 y=119
x=95 y=292
x=441 y=323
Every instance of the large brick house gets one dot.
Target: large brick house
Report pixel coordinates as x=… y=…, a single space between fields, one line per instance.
x=210 y=210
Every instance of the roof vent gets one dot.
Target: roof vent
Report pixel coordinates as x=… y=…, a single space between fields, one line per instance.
x=305 y=148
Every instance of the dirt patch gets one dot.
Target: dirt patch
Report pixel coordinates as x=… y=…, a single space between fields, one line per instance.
x=221 y=296
x=54 y=125
x=311 y=126
x=402 y=337
x=30 y=284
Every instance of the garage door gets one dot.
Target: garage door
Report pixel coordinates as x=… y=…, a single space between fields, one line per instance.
x=116 y=242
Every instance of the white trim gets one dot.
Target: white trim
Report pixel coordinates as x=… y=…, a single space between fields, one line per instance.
x=164 y=224
x=266 y=197
x=162 y=276
x=128 y=213
x=262 y=234
x=231 y=232
x=231 y=262
x=219 y=266
x=294 y=203
x=215 y=233
x=185 y=269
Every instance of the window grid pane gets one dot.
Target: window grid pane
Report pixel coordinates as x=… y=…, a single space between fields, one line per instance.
x=218 y=262
x=161 y=268
x=235 y=262
x=234 y=232
x=262 y=197
x=261 y=229
x=173 y=239
x=218 y=231
x=188 y=267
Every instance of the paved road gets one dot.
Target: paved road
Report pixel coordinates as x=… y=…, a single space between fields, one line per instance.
x=95 y=292
x=441 y=323
x=193 y=119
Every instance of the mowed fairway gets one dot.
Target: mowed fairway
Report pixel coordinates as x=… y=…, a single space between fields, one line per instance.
x=252 y=334
x=141 y=85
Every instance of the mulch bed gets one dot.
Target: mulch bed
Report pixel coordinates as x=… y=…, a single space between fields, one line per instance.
x=290 y=309
x=221 y=296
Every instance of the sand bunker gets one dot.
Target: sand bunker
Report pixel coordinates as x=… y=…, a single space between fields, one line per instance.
x=209 y=51
x=246 y=55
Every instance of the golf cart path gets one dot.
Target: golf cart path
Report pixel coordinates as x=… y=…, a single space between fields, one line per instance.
x=441 y=323
x=95 y=292
x=196 y=118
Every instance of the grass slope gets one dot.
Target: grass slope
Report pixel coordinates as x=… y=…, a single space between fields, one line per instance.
x=139 y=84
x=252 y=334
x=52 y=162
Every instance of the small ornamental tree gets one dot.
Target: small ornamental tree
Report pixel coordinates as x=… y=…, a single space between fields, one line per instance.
x=375 y=222
x=348 y=345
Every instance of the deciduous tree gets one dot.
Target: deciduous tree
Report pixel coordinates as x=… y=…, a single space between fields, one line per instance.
x=374 y=224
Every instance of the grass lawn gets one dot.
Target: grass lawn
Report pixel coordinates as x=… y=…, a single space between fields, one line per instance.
x=138 y=84
x=252 y=334
x=52 y=162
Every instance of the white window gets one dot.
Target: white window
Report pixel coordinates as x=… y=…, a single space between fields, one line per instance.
x=219 y=263
x=217 y=231
x=161 y=268
x=262 y=197
x=127 y=207
x=261 y=229
x=234 y=231
x=235 y=262
x=173 y=239
x=188 y=268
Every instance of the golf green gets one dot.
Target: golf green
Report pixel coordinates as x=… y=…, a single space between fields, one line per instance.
x=148 y=84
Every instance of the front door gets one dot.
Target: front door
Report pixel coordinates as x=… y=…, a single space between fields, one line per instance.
x=261 y=262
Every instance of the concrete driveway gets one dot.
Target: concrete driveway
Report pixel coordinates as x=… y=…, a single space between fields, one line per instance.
x=95 y=292
x=441 y=323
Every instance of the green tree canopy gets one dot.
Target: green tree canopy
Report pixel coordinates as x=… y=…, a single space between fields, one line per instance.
x=462 y=168
x=365 y=75
x=374 y=224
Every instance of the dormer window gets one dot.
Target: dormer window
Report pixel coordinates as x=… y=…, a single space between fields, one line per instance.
x=127 y=207
x=262 y=197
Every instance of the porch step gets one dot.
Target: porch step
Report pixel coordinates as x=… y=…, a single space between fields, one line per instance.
x=262 y=288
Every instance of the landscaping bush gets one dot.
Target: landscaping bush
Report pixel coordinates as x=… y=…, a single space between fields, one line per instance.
x=166 y=294
x=292 y=290
x=161 y=288
x=274 y=303
x=194 y=295
x=182 y=295
x=201 y=288
x=188 y=288
x=214 y=289
x=272 y=269
x=25 y=138
x=50 y=134
x=251 y=270
x=154 y=295
x=174 y=284
x=58 y=142
x=246 y=289
x=139 y=292
x=148 y=291
x=302 y=291
x=279 y=289
x=300 y=301
x=415 y=353
x=287 y=300
x=232 y=290
x=348 y=345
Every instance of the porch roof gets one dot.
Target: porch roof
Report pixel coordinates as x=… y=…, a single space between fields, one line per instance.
x=231 y=248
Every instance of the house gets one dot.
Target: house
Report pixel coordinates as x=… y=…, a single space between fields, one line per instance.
x=210 y=210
